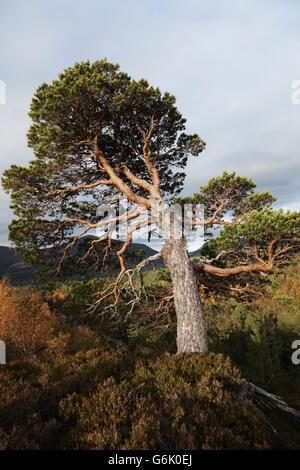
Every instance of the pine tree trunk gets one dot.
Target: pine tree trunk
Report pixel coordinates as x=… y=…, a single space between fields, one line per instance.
x=191 y=328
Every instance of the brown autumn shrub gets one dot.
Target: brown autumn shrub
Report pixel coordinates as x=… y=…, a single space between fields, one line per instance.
x=26 y=325
x=171 y=403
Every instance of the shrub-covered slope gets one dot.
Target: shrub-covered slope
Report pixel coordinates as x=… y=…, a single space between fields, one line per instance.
x=79 y=382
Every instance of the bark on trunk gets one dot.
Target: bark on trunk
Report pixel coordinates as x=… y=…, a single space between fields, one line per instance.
x=191 y=328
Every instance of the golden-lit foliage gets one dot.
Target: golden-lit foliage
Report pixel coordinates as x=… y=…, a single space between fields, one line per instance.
x=291 y=286
x=26 y=325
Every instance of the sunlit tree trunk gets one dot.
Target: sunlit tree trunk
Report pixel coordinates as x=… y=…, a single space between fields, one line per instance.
x=191 y=328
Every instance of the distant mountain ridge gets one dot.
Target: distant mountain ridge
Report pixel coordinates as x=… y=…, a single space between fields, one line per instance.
x=12 y=266
x=22 y=274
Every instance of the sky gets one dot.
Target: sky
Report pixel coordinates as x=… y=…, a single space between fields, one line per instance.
x=230 y=64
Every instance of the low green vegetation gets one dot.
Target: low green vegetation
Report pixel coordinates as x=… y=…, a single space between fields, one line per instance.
x=113 y=381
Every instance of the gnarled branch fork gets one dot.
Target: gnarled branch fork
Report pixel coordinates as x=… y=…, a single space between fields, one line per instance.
x=137 y=270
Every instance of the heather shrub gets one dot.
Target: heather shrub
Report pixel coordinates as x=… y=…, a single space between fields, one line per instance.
x=173 y=402
x=31 y=393
x=23 y=422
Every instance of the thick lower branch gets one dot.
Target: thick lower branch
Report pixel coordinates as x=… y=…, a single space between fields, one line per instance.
x=225 y=272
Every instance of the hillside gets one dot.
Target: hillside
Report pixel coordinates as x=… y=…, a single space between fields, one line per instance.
x=11 y=265
x=22 y=274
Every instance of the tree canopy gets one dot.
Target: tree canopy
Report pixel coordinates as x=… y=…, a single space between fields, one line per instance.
x=97 y=134
x=92 y=123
